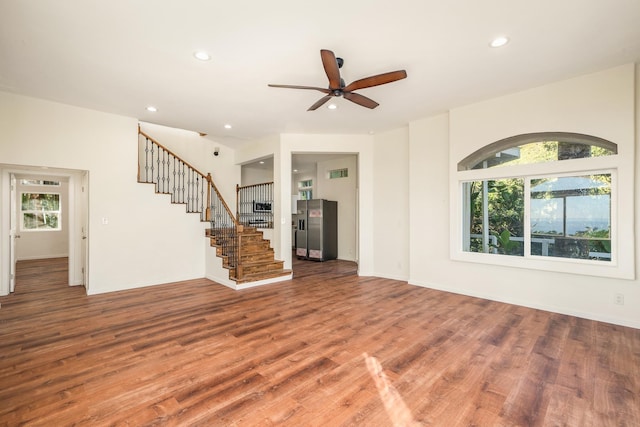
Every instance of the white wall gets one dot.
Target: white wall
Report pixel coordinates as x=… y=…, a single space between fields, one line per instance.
x=252 y=176
x=345 y=192
x=429 y=263
x=146 y=240
x=391 y=204
x=43 y=243
x=601 y=104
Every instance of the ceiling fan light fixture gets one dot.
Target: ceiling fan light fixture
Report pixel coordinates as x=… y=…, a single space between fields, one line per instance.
x=499 y=41
x=202 y=55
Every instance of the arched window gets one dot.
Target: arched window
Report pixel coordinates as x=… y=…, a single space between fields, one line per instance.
x=538 y=148
x=544 y=196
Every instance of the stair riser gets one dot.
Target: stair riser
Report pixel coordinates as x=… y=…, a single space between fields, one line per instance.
x=266 y=256
x=262 y=268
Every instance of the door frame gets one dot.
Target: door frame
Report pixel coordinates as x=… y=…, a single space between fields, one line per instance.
x=13 y=229
x=77 y=214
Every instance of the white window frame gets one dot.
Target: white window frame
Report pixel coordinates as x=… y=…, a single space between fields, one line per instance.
x=622 y=245
x=58 y=212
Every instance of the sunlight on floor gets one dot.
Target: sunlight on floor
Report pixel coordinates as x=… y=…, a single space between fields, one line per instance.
x=397 y=410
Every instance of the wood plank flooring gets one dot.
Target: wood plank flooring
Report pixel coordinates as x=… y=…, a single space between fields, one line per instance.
x=328 y=348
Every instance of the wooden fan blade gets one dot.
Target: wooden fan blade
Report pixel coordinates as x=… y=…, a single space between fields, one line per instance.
x=331 y=68
x=376 y=80
x=320 y=102
x=323 y=90
x=360 y=100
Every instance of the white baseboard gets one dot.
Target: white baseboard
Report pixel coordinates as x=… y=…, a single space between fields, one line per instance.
x=31 y=258
x=545 y=307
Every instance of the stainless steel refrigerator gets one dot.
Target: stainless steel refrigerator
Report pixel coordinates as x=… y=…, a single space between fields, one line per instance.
x=317 y=234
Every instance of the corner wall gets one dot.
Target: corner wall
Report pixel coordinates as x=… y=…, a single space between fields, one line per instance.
x=600 y=104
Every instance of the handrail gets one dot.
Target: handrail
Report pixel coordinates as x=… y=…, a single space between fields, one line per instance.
x=240 y=187
x=140 y=132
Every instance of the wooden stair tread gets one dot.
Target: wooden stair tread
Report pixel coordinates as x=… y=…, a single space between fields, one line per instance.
x=254 y=277
x=257 y=257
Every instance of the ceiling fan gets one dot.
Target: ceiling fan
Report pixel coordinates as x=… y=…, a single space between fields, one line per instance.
x=337 y=86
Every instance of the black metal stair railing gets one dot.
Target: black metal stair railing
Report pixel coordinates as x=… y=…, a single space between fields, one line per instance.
x=172 y=175
x=254 y=205
x=186 y=185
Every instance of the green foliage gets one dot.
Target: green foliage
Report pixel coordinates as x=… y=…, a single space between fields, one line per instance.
x=505 y=202
x=600 y=239
x=505 y=243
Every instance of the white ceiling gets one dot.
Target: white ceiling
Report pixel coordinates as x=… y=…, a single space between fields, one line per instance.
x=119 y=56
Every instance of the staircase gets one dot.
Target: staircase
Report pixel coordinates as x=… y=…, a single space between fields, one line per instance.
x=243 y=249
x=256 y=259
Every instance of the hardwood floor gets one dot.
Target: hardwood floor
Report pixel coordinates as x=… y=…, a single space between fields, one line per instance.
x=328 y=348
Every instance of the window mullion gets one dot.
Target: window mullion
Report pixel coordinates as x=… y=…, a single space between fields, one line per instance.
x=527 y=217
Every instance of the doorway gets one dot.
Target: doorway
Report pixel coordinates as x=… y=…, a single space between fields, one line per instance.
x=46 y=211
x=329 y=176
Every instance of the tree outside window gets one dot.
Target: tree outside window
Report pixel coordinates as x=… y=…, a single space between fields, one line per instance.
x=40 y=211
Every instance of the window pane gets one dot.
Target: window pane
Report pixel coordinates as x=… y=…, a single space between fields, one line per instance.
x=40 y=211
x=495 y=212
x=40 y=202
x=41 y=221
x=305 y=195
x=541 y=152
x=538 y=148
x=571 y=217
x=338 y=173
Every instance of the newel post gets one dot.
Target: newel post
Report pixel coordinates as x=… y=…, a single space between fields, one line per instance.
x=239 y=269
x=207 y=214
x=238 y=202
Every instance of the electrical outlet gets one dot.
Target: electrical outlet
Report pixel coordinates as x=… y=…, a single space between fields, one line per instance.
x=619 y=299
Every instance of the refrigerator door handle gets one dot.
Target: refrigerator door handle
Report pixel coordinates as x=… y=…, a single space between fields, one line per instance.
x=301 y=224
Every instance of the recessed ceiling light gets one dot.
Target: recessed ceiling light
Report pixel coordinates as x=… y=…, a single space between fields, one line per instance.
x=295 y=170
x=499 y=41
x=202 y=56
x=152 y=109
x=227 y=126
x=332 y=106
x=262 y=162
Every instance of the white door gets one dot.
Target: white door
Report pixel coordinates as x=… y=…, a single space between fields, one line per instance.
x=84 y=218
x=13 y=232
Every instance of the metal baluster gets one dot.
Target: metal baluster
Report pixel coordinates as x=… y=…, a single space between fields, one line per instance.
x=173 y=182
x=164 y=156
x=188 y=189
x=153 y=150
x=197 y=200
x=181 y=182
x=158 y=171
x=146 y=160
x=190 y=197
